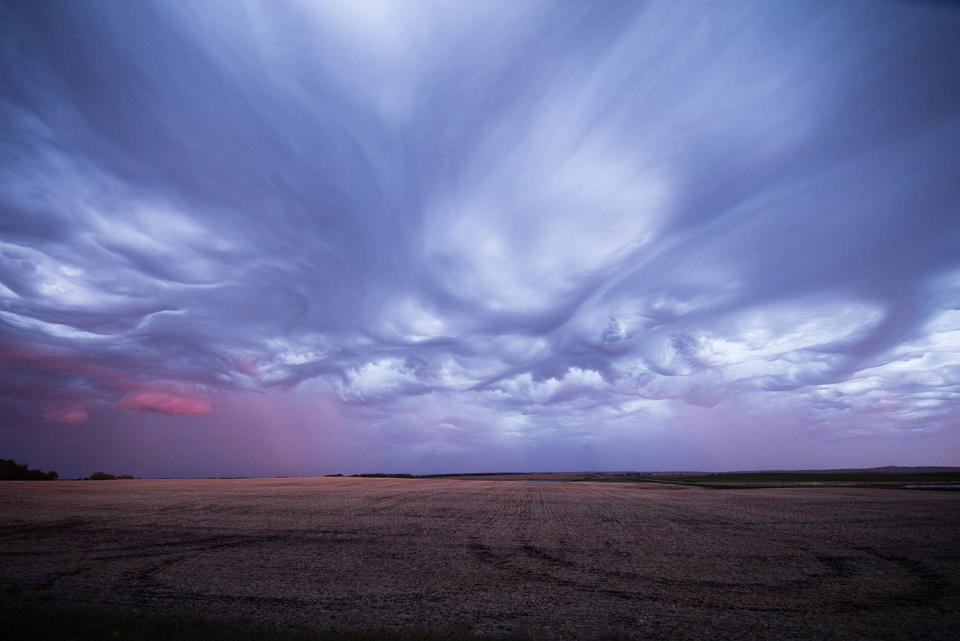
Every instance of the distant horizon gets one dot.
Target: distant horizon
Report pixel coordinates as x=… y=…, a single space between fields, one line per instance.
x=261 y=238
x=920 y=469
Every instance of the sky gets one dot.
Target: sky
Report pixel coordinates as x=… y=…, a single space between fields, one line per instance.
x=248 y=237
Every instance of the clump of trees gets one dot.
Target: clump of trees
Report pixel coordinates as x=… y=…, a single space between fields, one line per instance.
x=381 y=475
x=103 y=476
x=10 y=470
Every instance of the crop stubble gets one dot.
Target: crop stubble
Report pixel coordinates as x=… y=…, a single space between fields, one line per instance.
x=558 y=560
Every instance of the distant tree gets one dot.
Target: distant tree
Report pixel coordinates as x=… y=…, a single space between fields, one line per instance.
x=101 y=476
x=381 y=475
x=10 y=470
x=125 y=476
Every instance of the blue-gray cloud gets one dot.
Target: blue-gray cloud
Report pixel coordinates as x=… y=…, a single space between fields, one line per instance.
x=485 y=226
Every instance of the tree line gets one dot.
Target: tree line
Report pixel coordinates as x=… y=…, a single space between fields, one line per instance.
x=10 y=470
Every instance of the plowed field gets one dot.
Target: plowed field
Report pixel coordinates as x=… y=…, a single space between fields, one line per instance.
x=555 y=560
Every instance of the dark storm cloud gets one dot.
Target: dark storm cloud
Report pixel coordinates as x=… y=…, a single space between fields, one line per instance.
x=507 y=225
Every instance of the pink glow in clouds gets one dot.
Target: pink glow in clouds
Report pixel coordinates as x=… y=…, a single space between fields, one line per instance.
x=69 y=415
x=163 y=403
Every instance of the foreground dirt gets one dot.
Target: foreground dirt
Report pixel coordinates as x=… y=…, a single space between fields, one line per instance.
x=555 y=560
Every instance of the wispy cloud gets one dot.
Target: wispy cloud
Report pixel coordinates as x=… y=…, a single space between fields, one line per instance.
x=163 y=403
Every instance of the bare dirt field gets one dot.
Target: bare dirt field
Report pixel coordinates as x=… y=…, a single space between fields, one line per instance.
x=554 y=560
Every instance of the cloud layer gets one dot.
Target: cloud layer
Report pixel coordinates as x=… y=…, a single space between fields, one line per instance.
x=493 y=235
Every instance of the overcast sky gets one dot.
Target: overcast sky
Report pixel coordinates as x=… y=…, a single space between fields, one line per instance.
x=248 y=238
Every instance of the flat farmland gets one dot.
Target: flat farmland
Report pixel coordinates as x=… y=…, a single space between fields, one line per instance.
x=547 y=559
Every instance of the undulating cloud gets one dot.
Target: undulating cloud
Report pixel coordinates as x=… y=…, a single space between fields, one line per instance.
x=486 y=235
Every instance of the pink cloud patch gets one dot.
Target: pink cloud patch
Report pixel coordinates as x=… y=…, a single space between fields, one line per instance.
x=163 y=403
x=70 y=415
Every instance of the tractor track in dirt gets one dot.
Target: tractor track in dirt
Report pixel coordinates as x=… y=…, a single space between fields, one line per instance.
x=560 y=560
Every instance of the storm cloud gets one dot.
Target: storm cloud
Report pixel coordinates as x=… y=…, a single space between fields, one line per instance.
x=489 y=235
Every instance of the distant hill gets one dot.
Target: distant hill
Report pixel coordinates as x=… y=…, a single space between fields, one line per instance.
x=888 y=469
x=888 y=476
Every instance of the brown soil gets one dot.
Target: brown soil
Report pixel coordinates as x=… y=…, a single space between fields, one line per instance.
x=556 y=560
